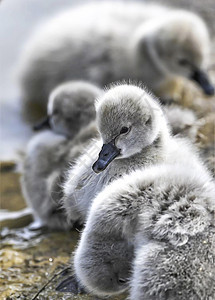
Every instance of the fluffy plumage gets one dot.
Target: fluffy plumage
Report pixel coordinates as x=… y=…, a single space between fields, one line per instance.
x=70 y=109
x=116 y=41
x=182 y=121
x=162 y=216
x=122 y=107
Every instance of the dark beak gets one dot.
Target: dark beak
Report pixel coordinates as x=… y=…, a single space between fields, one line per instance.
x=44 y=123
x=202 y=79
x=107 y=154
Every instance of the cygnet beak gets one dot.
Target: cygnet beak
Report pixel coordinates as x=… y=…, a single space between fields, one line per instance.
x=44 y=123
x=107 y=154
x=202 y=79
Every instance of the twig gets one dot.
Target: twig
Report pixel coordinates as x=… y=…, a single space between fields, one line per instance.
x=45 y=285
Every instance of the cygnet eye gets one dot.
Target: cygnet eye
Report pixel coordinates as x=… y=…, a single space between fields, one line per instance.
x=148 y=122
x=183 y=62
x=122 y=281
x=124 y=130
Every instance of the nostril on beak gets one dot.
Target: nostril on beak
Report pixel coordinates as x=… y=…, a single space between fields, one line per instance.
x=121 y=280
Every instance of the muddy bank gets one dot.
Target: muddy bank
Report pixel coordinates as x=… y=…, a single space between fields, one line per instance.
x=30 y=258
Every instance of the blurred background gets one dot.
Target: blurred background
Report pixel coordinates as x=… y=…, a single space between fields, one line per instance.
x=18 y=21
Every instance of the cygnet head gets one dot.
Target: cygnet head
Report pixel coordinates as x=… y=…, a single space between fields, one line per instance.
x=177 y=44
x=70 y=108
x=129 y=119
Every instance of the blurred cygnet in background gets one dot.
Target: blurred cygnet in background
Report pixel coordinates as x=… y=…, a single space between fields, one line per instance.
x=70 y=108
x=200 y=130
x=109 y=41
x=70 y=116
x=206 y=140
x=182 y=121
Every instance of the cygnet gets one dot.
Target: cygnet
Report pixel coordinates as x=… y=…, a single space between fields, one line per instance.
x=182 y=121
x=70 y=117
x=152 y=231
x=166 y=204
x=133 y=130
x=117 y=40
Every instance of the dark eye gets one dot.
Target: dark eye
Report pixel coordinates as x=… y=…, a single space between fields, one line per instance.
x=183 y=62
x=148 y=122
x=124 y=130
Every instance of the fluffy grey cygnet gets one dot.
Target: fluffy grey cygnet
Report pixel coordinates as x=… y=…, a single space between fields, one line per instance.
x=153 y=232
x=70 y=108
x=116 y=41
x=153 y=227
x=70 y=114
x=133 y=130
x=182 y=121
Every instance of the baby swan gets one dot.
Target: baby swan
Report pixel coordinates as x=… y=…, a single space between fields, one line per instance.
x=119 y=40
x=166 y=205
x=133 y=132
x=70 y=109
x=160 y=219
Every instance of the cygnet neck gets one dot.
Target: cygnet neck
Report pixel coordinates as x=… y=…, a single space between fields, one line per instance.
x=149 y=155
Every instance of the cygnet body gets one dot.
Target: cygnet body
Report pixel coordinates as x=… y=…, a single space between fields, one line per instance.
x=116 y=41
x=152 y=232
x=132 y=129
x=167 y=205
x=70 y=114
